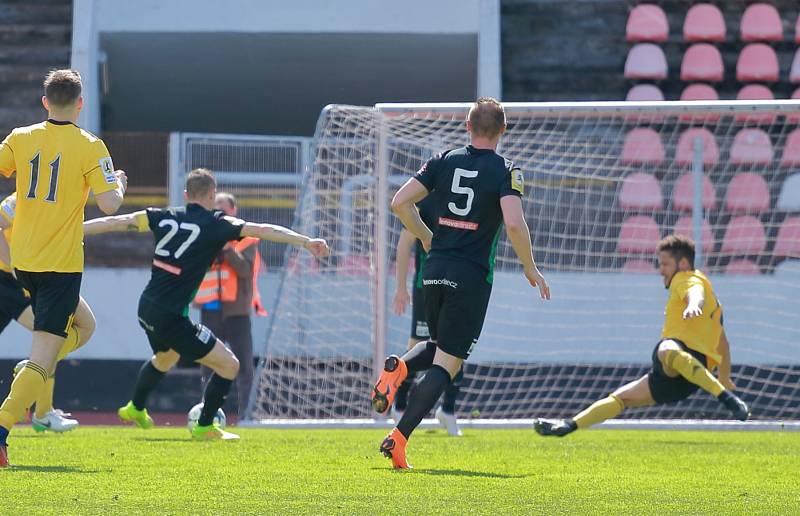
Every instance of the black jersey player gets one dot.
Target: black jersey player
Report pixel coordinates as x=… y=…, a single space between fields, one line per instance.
x=475 y=192
x=187 y=241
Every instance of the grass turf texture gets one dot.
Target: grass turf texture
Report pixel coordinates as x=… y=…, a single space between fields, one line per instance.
x=125 y=470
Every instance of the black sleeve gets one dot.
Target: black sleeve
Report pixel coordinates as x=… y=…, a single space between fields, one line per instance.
x=513 y=181
x=427 y=174
x=154 y=215
x=229 y=228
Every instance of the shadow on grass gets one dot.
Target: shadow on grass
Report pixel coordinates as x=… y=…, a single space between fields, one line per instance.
x=52 y=469
x=163 y=439
x=456 y=473
x=677 y=442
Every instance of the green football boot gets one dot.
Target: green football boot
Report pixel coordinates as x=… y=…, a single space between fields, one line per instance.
x=129 y=414
x=212 y=432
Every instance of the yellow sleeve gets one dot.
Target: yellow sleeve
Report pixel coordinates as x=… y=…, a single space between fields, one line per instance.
x=142 y=222
x=7 y=163
x=685 y=284
x=99 y=169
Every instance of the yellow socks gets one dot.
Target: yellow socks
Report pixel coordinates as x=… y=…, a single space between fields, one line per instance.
x=691 y=369
x=44 y=402
x=26 y=387
x=599 y=411
x=71 y=343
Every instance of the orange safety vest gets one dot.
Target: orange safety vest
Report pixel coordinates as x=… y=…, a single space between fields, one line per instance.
x=221 y=284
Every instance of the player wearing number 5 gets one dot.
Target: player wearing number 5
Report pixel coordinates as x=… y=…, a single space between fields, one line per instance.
x=56 y=164
x=188 y=239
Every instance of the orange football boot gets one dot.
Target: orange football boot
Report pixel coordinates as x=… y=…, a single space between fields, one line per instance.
x=394 y=447
x=393 y=374
x=3 y=456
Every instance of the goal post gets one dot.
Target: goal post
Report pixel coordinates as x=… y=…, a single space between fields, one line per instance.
x=604 y=181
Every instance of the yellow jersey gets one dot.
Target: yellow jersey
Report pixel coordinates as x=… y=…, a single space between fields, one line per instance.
x=7 y=208
x=699 y=333
x=56 y=164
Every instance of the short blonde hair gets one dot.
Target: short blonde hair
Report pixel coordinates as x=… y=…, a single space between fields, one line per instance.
x=488 y=118
x=199 y=183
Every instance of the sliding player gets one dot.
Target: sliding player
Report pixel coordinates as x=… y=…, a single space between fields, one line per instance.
x=475 y=191
x=692 y=344
x=188 y=239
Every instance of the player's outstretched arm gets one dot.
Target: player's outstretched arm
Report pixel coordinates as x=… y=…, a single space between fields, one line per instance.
x=109 y=202
x=724 y=372
x=520 y=237
x=274 y=233
x=695 y=299
x=403 y=205
x=136 y=221
x=401 y=297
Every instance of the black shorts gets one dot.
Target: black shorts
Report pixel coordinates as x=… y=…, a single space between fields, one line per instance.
x=666 y=389
x=167 y=330
x=54 y=299
x=456 y=298
x=419 y=322
x=13 y=299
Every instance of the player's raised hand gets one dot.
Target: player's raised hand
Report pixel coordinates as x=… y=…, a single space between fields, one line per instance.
x=536 y=279
x=692 y=311
x=318 y=247
x=401 y=300
x=122 y=177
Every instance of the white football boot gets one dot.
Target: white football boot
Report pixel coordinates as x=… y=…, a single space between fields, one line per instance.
x=449 y=422
x=54 y=421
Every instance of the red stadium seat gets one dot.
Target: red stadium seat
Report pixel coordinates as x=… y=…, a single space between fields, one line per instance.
x=787 y=243
x=639 y=234
x=644 y=92
x=789 y=198
x=641 y=192
x=683 y=193
x=639 y=267
x=646 y=61
x=702 y=62
x=647 y=22
x=761 y=22
x=742 y=267
x=757 y=63
x=684 y=226
x=744 y=235
x=794 y=72
x=704 y=22
x=791 y=150
x=751 y=147
x=700 y=91
x=756 y=92
x=747 y=193
x=642 y=147
x=684 y=153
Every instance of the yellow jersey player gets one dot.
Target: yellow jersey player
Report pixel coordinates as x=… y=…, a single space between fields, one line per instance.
x=693 y=344
x=56 y=164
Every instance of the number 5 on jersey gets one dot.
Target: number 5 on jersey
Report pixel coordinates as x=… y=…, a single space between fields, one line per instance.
x=194 y=232
x=456 y=188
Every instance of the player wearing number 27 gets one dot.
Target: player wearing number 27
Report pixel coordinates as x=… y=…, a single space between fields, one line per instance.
x=475 y=191
x=188 y=240
x=56 y=164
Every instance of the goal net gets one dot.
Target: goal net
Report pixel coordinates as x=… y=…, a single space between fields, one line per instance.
x=604 y=182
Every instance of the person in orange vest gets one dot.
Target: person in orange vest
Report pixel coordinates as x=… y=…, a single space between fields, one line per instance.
x=228 y=296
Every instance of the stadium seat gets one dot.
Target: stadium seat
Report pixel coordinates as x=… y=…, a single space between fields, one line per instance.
x=788 y=268
x=742 y=267
x=761 y=22
x=647 y=22
x=638 y=234
x=641 y=192
x=787 y=243
x=791 y=150
x=700 y=91
x=702 y=62
x=747 y=193
x=644 y=92
x=757 y=63
x=751 y=147
x=684 y=153
x=642 y=147
x=646 y=61
x=684 y=226
x=756 y=92
x=639 y=267
x=683 y=193
x=789 y=198
x=704 y=22
x=794 y=72
x=744 y=235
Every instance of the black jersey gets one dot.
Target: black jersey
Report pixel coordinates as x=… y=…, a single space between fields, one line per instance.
x=466 y=185
x=188 y=239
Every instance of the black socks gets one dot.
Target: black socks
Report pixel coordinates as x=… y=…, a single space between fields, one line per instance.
x=217 y=390
x=426 y=393
x=148 y=378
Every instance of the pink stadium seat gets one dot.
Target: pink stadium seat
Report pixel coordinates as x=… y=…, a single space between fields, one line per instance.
x=787 y=243
x=704 y=22
x=747 y=193
x=684 y=153
x=684 y=227
x=639 y=234
x=742 y=267
x=761 y=22
x=644 y=92
x=794 y=72
x=639 y=267
x=642 y=147
x=791 y=150
x=641 y=191
x=744 y=235
x=683 y=193
x=756 y=92
x=702 y=62
x=700 y=91
x=647 y=22
x=751 y=147
x=646 y=61
x=757 y=63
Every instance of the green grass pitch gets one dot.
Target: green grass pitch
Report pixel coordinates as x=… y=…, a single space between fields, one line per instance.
x=128 y=471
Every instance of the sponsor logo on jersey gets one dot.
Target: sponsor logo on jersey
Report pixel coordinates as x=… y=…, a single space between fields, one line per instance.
x=107 y=166
x=458 y=224
x=518 y=180
x=422 y=329
x=204 y=334
x=443 y=281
